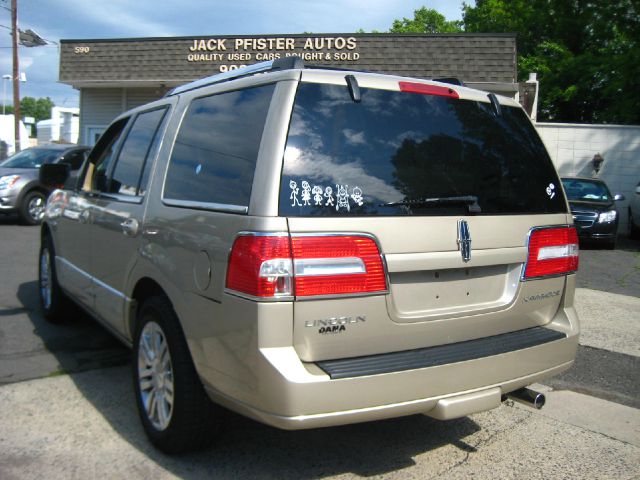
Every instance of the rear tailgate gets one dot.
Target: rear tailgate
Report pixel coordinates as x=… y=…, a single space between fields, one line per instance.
x=422 y=174
x=434 y=297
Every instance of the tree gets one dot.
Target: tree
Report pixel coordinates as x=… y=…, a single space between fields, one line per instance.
x=426 y=20
x=40 y=108
x=585 y=53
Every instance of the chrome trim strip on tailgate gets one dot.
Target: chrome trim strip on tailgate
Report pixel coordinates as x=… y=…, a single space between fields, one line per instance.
x=438 y=355
x=404 y=262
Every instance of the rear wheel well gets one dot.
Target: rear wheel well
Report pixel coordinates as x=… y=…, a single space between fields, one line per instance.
x=144 y=289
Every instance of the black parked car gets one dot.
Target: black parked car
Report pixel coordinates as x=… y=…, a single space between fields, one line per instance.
x=594 y=210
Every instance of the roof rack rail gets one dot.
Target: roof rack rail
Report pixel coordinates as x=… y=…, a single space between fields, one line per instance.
x=286 y=63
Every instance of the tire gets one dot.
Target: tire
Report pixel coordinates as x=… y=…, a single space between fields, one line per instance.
x=634 y=228
x=32 y=207
x=176 y=413
x=53 y=301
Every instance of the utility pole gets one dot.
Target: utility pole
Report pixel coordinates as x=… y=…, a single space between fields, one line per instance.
x=16 y=75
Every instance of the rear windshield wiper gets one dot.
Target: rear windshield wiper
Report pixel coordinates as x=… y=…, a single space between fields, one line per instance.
x=471 y=201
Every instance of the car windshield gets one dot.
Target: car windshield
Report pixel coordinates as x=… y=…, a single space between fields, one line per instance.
x=586 y=190
x=31 y=158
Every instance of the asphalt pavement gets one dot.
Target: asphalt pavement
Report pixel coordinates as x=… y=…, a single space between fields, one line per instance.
x=67 y=410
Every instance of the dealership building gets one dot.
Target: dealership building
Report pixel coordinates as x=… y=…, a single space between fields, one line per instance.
x=114 y=75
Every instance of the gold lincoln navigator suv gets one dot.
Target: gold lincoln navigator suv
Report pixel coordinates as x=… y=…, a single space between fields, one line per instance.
x=312 y=247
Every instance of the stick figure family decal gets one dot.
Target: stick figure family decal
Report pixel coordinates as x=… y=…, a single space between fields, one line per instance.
x=342 y=199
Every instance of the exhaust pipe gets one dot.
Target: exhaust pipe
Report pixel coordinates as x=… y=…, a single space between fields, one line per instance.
x=528 y=397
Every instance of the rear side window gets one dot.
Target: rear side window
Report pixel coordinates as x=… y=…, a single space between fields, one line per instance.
x=136 y=154
x=215 y=152
x=400 y=153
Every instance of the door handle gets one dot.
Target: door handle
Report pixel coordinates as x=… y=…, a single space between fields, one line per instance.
x=130 y=227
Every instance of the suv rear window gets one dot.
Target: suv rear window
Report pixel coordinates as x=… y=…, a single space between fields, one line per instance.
x=399 y=153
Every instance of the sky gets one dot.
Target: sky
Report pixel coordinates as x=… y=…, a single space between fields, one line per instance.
x=91 y=19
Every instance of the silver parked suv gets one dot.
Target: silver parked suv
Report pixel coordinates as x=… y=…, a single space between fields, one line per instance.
x=312 y=247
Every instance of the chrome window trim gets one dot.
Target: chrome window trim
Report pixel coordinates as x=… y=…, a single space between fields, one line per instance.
x=216 y=207
x=119 y=197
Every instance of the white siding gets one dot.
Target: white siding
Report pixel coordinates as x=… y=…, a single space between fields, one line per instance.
x=572 y=148
x=99 y=106
x=140 y=96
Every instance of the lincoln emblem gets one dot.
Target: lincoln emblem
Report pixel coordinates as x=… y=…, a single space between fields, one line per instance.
x=464 y=240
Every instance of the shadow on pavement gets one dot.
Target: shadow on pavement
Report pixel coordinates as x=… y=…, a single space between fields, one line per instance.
x=9 y=219
x=78 y=345
x=243 y=448
x=247 y=449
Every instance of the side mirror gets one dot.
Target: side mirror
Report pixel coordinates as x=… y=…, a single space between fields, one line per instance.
x=54 y=175
x=618 y=197
x=638 y=190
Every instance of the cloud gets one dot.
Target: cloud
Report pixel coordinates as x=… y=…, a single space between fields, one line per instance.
x=353 y=137
x=120 y=17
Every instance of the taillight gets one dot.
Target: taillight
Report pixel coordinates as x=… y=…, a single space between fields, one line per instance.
x=261 y=266
x=337 y=265
x=305 y=266
x=552 y=251
x=426 y=89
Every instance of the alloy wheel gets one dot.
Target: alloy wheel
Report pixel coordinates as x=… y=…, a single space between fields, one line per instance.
x=155 y=375
x=45 y=278
x=35 y=208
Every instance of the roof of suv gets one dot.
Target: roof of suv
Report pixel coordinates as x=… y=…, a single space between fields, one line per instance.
x=324 y=72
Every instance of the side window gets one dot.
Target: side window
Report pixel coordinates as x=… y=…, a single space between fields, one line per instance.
x=215 y=152
x=136 y=154
x=100 y=158
x=74 y=159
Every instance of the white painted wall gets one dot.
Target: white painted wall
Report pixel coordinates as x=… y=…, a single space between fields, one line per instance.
x=99 y=106
x=573 y=146
x=63 y=126
x=7 y=128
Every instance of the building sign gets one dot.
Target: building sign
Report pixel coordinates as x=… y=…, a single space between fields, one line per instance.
x=231 y=53
x=164 y=62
